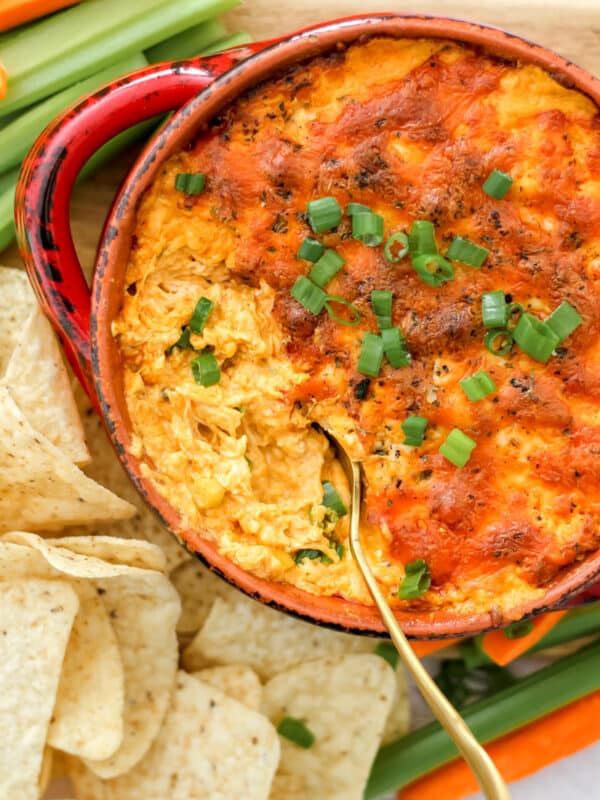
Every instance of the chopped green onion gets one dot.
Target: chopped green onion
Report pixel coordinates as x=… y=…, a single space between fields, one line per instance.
x=497 y=184
x=368 y=228
x=340 y=550
x=478 y=386
x=326 y=518
x=371 y=355
x=494 y=309
x=205 y=369
x=312 y=555
x=357 y=208
x=535 y=337
x=309 y=295
x=414 y=430
x=190 y=182
x=400 y=238
x=421 y=239
x=518 y=629
x=183 y=342
x=326 y=268
x=563 y=321
x=331 y=499
x=394 y=347
x=202 y=312
x=467 y=252
x=433 y=269
x=324 y=214
x=310 y=250
x=457 y=448
x=356 y=315
x=388 y=652
x=381 y=301
x=505 y=337
x=416 y=581
x=296 y=731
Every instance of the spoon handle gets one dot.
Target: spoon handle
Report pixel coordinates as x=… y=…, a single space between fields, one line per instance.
x=482 y=766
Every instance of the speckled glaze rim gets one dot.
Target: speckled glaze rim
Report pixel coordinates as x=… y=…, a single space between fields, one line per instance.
x=269 y=59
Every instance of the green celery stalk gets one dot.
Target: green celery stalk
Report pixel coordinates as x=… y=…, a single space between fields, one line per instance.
x=84 y=39
x=188 y=43
x=36 y=118
x=18 y=136
x=401 y=762
x=234 y=40
x=8 y=184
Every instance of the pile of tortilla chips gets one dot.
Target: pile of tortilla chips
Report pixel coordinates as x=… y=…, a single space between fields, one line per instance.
x=126 y=666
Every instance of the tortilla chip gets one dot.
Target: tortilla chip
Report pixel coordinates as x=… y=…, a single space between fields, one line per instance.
x=88 y=715
x=36 y=621
x=344 y=702
x=39 y=487
x=61 y=558
x=143 y=609
x=106 y=468
x=133 y=553
x=17 y=301
x=198 y=588
x=398 y=721
x=242 y=631
x=210 y=746
x=40 y=386
x=236 y=681
x=143 y=613
x=45 y=771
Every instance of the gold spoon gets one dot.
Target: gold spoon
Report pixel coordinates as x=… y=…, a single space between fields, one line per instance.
x=482 y=766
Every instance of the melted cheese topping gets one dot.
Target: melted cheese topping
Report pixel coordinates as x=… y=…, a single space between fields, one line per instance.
x=413 y=138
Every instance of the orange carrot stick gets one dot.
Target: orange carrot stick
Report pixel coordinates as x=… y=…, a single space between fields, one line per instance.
x=427 y=648
x=16 y=12
x=503 y=650
x=518 y=754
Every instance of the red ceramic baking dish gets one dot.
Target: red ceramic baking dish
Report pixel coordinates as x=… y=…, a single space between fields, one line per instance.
x=196 y=90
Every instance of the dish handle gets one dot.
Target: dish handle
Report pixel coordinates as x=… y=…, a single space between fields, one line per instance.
x=49 y=172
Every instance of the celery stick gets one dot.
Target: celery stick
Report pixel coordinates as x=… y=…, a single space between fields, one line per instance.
x=399 y=763
x=234 y=40
x=36 y=120
x=86 y=38
x=188 y=43
x=17 y=137
x=8 y=183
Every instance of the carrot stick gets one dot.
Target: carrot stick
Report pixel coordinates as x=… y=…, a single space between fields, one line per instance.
x=16 y=12
x=518 y=754
x=427 y=648
x=503 y=650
